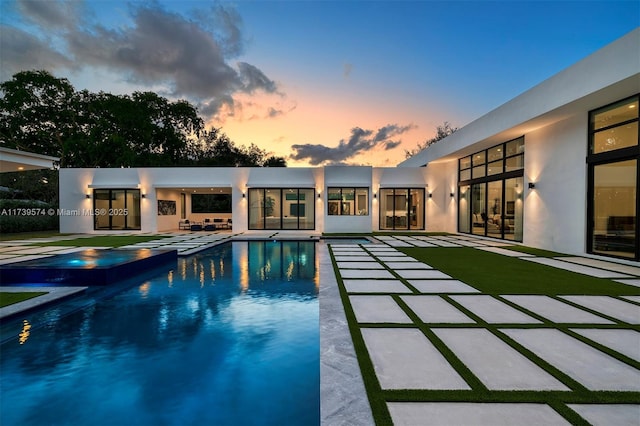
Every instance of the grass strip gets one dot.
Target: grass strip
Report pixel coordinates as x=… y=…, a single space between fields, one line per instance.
x=9 y=298
x=104 y=241
x=493 y=273
x=29 y=235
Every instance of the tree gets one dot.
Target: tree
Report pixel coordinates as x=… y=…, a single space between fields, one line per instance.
x=46 y=115
x=442 y=131
x=214 y=148
x=37 y=113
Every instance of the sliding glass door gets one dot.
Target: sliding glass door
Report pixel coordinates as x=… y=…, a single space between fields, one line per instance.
x=490 y=191
x=401 y=209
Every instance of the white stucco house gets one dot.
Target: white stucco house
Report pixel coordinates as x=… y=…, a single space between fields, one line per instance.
x=554 y=168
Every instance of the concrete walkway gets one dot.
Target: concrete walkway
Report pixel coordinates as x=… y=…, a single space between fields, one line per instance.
x=504 y=342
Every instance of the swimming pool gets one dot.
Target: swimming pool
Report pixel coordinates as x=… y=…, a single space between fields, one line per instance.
x=229 y=337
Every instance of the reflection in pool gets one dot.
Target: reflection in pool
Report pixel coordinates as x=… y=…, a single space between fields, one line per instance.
x=229 y=337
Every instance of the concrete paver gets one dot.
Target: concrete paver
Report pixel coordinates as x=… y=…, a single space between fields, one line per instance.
x=496 y=364
x=555 y=310
x=353 y=258
x=375 y=286
x=602 y=264
x=593 y=369
x=403 y=358
x=359 y=273
x=426 y=274
x=572 y=267
x=472 y=414
x=407 y=265
x=493 y=311
x=434 y=309
x=442 y=286
x=609 y=414
x=633 y=281
x=398 y=258
x=615 y=308
x=380 y=309
x=627 y=342
x=360 y=265
x=504 y=252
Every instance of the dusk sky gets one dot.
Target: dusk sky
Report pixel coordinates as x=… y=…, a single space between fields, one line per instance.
x=318 y=82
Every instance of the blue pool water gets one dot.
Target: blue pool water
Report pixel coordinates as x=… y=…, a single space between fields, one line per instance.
x=229 y=337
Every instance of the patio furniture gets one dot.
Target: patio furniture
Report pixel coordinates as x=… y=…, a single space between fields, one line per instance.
x=184 y=224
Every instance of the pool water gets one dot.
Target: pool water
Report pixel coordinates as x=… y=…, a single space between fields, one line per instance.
x=229 y=337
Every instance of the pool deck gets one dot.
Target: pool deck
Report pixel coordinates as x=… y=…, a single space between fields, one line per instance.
x=406 y=311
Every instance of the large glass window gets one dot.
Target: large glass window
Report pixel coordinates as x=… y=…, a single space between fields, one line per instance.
x=348 y=201
x=490 y=188
x=116 y=209
x=401 y=208
x=281 y=208
x=613 y=180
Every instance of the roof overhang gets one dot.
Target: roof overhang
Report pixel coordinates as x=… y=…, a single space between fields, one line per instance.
x=13 y=160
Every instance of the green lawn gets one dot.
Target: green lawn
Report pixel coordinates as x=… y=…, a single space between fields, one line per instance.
x=9 y=298
x=493 y=273
x=104 y=241
x=28 y=235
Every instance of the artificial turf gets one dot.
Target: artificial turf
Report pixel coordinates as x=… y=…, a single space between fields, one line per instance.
x=9 y=298
x=104 y=241
x=493 y=273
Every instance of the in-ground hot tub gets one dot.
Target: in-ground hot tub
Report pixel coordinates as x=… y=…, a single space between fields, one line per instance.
x=86 y=267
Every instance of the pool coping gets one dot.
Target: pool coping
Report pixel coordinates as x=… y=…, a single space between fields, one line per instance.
x=54 y=294
x=343 y=398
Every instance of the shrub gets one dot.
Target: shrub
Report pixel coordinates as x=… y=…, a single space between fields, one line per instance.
x=26 y=216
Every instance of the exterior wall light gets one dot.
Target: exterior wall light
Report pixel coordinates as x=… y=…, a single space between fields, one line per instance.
x=87 y=196
x=532 y=185
x=375 y=195
x=319 y=196
x=430 y=195
x=143 y=195
x=244 y=195
x=451 y=194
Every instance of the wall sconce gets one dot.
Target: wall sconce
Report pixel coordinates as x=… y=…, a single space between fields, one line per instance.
x=375 y=195
x=451 y=194
x=430 y=195
x=244 y=195
x=532 y=185
x=319 y=196
x=143 y=195
x=87 y=196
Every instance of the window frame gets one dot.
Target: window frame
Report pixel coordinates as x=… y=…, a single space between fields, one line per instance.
x=340 y=211
x=610 y=157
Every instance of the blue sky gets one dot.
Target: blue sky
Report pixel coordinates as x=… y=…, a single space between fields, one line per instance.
x=319 y=82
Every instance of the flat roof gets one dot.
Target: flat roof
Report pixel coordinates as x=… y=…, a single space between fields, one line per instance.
x=13 y=160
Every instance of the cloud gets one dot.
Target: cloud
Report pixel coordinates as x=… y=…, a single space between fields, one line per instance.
x=191 y=57
x=23 y=51
x=52 y=13
x=360 y=140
